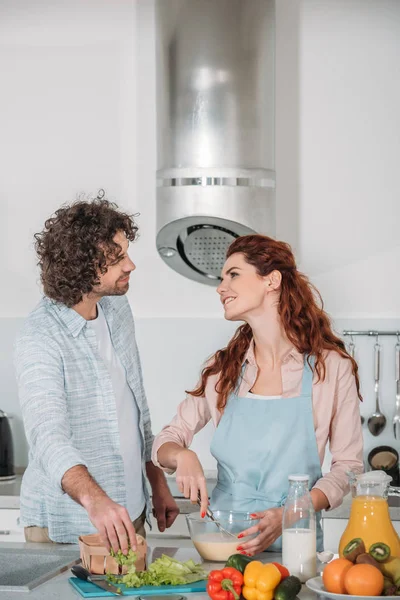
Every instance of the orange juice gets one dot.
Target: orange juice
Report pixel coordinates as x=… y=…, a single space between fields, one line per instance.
x=370 y=521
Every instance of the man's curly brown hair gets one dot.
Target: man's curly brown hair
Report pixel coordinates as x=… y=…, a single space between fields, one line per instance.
x=76 y=245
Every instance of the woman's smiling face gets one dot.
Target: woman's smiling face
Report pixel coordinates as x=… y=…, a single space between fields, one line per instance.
x=242 y=290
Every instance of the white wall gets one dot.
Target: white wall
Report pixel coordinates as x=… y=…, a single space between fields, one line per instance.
x=67 y=114
x=77 y=112
x=349 y=54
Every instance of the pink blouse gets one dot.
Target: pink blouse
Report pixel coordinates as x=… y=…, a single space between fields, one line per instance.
x=335 y=409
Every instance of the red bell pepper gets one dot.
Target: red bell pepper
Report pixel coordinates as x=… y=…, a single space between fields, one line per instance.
x=283 y=570
x=225 y=584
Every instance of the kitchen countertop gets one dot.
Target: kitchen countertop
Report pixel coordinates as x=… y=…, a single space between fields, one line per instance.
x=58 y=588
x=10 y=491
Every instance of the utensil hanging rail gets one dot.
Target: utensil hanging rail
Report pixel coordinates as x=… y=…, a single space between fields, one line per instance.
x=371 y=333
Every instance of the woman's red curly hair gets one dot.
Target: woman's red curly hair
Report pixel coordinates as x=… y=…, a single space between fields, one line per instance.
x=300 y=309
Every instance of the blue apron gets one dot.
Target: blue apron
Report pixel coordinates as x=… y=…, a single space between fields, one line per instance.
x=258 y=444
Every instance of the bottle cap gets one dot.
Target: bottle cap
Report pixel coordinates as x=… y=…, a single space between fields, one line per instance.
x=300 y=477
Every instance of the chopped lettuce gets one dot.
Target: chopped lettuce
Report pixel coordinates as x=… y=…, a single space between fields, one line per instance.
x=163 y=571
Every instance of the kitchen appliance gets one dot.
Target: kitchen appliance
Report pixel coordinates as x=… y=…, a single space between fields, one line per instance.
x=385 y=458
x=215 y=129
x=7 y=472
x=396 y=416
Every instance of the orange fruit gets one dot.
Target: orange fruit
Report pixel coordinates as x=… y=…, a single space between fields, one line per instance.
x=334 y=573
x=363 y=580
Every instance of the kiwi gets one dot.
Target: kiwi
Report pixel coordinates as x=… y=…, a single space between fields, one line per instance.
x=353 y=549
x=380 y=551
x=367 y=559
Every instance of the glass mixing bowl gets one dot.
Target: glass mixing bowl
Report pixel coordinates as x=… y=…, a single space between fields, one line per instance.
x=210 y=542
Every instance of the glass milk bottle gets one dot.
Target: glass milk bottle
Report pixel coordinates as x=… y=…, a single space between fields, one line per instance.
x=299 y=537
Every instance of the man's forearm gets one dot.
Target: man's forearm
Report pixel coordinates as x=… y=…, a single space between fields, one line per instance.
x=80 y=486
x=156 y=477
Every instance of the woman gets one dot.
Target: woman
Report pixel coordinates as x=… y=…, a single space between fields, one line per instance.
x=282 y=388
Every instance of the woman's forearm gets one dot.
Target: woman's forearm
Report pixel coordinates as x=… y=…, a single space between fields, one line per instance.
x=167 y=455
x=319 y=500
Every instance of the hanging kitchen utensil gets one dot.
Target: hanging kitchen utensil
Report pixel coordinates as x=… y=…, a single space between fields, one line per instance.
x=352 y=351
x=377 y=421
x=396 y=417
x=352 y=347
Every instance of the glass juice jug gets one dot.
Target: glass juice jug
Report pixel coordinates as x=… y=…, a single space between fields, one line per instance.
x=369 y=514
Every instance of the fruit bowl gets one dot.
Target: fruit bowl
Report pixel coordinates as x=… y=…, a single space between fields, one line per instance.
x=315 y=584
x=210 y=542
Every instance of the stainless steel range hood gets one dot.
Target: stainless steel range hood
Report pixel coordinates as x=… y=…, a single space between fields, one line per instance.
x=215 y=129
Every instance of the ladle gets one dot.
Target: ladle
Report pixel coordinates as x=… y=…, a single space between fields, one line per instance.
x=377 y=421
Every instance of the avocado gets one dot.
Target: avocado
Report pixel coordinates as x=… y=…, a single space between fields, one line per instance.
x=288 y=588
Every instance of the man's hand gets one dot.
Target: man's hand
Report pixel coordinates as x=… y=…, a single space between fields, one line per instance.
x=110 y=519
x=113 y=523
x=269 y=528
x=165 y=509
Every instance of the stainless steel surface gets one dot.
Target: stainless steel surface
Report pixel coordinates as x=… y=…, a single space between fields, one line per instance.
x=21 y=570
x=215 y=129
x=371 y=333
x=219 y=181
x=377 y=421
x=7 y=469
x=7 y=478
x=211 y=516
x=394 y=497
x=164 y=597
x=396 y=416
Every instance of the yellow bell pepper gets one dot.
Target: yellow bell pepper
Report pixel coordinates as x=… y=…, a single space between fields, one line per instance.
x=260 y=581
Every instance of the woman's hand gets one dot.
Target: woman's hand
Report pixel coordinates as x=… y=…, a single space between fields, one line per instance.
x=269 y=528
x=190 y=478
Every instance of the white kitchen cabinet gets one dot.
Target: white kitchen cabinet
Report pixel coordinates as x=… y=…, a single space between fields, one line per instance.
x=9 y=522
x=334 y=528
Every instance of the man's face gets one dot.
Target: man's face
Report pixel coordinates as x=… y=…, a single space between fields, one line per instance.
x=115 y=282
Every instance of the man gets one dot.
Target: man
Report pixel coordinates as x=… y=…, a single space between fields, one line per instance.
x=80 y=386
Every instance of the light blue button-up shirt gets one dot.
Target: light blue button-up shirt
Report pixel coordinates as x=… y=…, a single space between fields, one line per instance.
x=69 y=411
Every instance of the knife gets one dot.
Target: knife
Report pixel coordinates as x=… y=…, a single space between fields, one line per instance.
x=84 y=574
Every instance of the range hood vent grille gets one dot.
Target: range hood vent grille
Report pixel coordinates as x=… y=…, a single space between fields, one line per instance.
x=215 y=129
